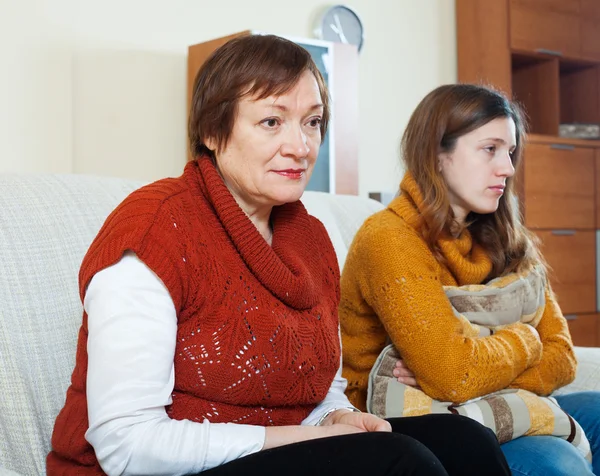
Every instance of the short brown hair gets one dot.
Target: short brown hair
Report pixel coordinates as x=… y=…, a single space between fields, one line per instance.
x=445 y=114
x=261 y=65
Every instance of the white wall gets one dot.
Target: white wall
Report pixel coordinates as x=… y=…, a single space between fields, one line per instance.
x=35 y=86
x=99 y=86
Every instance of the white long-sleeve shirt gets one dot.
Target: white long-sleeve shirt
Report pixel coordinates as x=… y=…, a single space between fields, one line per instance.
x=132 y=326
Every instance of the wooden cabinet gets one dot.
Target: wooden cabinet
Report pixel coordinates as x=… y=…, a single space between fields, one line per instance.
x=481 y=27
x=538 y=29
x=571 y=256
x=561 y=204
x=559 y=187
x=598 y=189
x=535 y=81
x=590 y=38
x=560 y=6
x=584 y=328
x=590 y=9
x=546 y=55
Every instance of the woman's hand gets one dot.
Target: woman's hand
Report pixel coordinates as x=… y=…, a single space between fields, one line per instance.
x=363 y=421
x=284 y=435
x=404 y=374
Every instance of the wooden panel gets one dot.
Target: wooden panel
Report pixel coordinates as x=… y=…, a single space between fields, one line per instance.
x=579 y=95
x=597 y=154
x=584 y=329
x=590 y=8
x=590 y=38
x=542 y=139
x=535 y=85
x=198 y=54
x=561 y=6
x=344 y=92
x=572 y=259
x=534 y=29
x=559 y=187
x=482 y=43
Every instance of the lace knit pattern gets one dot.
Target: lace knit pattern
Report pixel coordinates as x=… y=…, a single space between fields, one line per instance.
x=257 y=338
x=392 y=287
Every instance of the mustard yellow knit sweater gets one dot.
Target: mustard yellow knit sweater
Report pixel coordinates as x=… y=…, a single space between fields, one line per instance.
x=391 y=285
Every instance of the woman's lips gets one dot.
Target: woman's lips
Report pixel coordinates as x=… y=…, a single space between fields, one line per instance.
x=291 y=173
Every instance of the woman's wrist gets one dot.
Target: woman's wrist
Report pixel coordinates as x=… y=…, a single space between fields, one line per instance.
x=330 y=417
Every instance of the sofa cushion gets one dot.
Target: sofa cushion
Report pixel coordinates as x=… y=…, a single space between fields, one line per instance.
x=588 y=371
x=46 y=224
x=342 y=216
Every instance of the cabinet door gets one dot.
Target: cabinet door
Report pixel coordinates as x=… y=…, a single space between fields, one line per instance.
x=590 y=9
x=572 y=260
x=561 y=6
x=541 y=29
x=597 y=152
x=559 y=187
x=584 y=329
x=483 y=59
x=590 y=37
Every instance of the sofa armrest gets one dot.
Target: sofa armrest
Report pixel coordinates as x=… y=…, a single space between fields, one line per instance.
x=588 y=371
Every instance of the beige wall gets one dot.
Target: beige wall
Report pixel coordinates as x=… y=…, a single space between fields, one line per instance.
x=35 y=86
x=98 y=87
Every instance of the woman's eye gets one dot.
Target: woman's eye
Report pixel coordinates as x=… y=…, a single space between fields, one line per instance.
x=271 y=122
x=315 y=122
x=491 y=149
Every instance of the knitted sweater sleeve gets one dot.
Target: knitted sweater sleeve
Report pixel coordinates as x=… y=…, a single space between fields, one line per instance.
x=145 y=223
x=558 y=365
x=391 y=276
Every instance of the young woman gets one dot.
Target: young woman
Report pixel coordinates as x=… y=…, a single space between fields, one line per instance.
x=456 y=222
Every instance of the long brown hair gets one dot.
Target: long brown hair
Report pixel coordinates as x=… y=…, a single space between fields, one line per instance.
x=443 y=116
x=261 y=65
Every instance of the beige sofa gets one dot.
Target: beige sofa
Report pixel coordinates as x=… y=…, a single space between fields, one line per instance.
x=46 y=225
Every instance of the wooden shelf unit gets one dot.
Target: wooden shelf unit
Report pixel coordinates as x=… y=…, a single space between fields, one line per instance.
x=546 y=55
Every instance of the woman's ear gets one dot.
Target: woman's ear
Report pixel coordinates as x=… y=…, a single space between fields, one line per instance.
x=442 y=156
x=210 y=143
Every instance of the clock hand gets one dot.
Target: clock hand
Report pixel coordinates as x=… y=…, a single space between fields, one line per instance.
x=338 y=32
x=339 y=29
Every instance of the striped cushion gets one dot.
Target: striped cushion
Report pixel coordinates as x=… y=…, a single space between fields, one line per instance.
x=508 y=413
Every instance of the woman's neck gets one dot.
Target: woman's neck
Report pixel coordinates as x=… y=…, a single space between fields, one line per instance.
x=260 y=217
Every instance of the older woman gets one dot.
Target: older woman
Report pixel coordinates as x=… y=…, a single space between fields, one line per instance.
x=210 y=335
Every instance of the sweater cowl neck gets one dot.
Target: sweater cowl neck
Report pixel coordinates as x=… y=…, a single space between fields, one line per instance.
x=466 y=260
x=289 y=268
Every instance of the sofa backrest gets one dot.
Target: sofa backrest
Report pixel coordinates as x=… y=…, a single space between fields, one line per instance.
x=46 y=224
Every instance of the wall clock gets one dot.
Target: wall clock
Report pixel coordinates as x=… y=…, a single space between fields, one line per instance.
x=341 y=24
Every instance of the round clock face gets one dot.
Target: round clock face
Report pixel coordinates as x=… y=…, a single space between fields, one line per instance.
x=342 y=24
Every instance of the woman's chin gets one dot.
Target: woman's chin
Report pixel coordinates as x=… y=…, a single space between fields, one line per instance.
x=487 y=210
x=279 y=199
x=289 y=194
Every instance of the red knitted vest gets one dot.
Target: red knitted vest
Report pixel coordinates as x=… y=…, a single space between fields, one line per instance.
x=257 y=338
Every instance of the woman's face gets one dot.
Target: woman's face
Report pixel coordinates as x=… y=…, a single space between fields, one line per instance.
x=476 y=171
x=274 y=144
